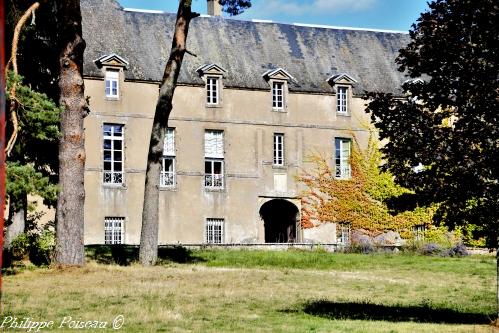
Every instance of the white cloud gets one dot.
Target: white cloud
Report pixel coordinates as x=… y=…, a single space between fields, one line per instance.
x=266 y=8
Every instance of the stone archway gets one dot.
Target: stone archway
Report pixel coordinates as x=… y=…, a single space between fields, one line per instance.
x=280 y=219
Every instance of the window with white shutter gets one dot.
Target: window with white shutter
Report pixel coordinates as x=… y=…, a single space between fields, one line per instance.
x=214 y=159
x=167 y=175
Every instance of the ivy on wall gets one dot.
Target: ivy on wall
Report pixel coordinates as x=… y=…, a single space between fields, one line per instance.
x=359 y=200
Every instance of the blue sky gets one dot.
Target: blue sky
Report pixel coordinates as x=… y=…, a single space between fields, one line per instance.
x=378 y=14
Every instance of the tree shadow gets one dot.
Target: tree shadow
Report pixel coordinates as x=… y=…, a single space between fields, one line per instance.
x=125 y=255
x=424 y=313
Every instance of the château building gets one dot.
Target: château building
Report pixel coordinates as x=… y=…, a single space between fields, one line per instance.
x=257 y=100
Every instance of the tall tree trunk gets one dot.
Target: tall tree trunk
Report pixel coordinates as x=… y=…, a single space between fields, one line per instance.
x=149 y=234
x=69 y=228
x=17 y=220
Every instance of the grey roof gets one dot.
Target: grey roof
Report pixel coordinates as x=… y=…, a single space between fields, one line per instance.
x=246 y=49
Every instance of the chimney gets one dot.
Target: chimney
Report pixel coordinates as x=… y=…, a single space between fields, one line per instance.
x=214 y=8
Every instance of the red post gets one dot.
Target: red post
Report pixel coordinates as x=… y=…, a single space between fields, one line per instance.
x=2 y=137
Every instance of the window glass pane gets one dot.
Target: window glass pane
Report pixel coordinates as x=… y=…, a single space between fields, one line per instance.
x=107 y=166
x=118 y=156
x=107 y=155
x=217 y=168
x=208 y=166
x=107 y=144
x=118 y=145
x=118 y=166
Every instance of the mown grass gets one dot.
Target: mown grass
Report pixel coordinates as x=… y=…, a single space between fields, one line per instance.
x=259 y=291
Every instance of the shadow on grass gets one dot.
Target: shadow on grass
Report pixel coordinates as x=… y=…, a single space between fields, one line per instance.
x=424 y=313
x=125 y=255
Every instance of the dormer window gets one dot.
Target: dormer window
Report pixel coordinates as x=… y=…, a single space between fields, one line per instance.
x=342 y=100
x=112 y=83
x=212 y=74
x=343 y=85
x=212 y=91
x=278 y=81
x=112 y=66
x=278 y=95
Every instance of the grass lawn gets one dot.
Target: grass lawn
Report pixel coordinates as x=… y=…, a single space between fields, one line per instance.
x=258 y=291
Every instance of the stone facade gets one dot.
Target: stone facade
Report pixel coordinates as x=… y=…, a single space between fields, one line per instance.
x=246 y=191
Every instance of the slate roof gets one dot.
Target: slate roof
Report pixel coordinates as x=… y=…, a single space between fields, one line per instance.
x=246 y=49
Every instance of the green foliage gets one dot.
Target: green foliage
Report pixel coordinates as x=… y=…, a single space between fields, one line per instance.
x=32 y=166
x=37 y=246
x=19 y=246
x=447 y=123
x=360 y=200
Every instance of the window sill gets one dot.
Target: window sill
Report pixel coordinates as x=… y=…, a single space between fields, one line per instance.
x=173 y=188
x=341 y=114
x=343 y=178
x=281 y=167
x=121 y=186
x=110 y=98
x=279 y=110
x=213 y=106
x=214 y=189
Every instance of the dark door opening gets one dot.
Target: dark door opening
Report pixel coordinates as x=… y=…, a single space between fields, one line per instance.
x=279 y=218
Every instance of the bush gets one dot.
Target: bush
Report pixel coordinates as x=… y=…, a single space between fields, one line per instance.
x=19 y=247
x=431 y=249
x=38 y=247
x=457 y=251
x=365 y=248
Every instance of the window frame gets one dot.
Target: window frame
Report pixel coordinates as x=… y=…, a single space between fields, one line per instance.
x=212 y=180
x=108 y=78
x=279 y=147
x=169 y=153
x=212 y=156
x=342 y=100
x=212 y=236
x=116 y=177
x=210 y=88
x=342 y=164
x=275 y=95
x=114 y=230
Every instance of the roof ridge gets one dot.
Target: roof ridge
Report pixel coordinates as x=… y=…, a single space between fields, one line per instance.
x=297 y=24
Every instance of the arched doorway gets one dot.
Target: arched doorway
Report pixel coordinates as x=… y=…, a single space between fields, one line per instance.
x=279 y=217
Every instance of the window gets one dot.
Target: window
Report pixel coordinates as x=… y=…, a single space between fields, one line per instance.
x=212 y=90
x=342 y=158
x=214 y=231
x=419 y=232
x=112 y=79
x=214 y=159
x=342 y=100
x=278 y=95
x=278 y=149
x=113 y=154
x=167 y=175
x=344 y=234
x=113 y=230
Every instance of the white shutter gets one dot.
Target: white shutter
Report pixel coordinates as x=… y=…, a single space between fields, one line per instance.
x=169 y=144
x=213 y=144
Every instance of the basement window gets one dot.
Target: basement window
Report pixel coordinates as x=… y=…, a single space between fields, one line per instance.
x=114 y=230
x=214 y=231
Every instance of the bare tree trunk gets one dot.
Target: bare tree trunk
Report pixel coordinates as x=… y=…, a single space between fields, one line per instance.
x=17 y=221
x=149 y=234
x=69 y=229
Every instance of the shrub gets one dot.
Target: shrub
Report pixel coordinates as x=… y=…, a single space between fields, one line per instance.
x=457 y=251
x=19 y=247
x=365 y=248
x=38 y=247
x=431 y=249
